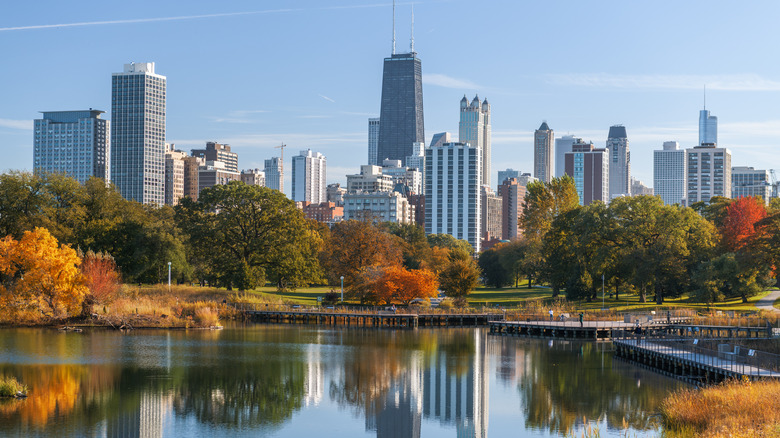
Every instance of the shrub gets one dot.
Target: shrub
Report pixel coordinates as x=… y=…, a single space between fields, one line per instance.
x=9 y=387
x=206 y=317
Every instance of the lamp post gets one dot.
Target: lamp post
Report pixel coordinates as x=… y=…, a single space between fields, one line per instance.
x=602 y=292
x=342 y=288
x=169 y=276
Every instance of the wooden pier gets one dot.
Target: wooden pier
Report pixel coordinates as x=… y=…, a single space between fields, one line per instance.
x=683 y=360
x=374 y=319
x=588 y=330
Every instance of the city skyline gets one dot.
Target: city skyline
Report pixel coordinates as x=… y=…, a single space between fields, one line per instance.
x=656 y=96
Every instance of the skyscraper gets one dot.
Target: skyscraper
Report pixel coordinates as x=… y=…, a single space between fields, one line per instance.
x=308 y=177
x=512 y=196
x=709 y=173
x=453 y=172
x=401 y=113
x=669 y=173
x=748 y=182
x=708 y=128
x=138 y=98
x=589 y=167
x=72 y=142
x=174 y=175
x=273 y=173
x=474 y=128
x=218 y=152
x=543 y=153
x=503 y=175
x=373 y=140
x=562 y=146
x=619 y=162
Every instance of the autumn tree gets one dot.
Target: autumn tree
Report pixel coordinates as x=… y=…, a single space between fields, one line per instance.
x=459 y=278
x=403 y=285
x=100 y=275
x=739 y=222
x=38 y=275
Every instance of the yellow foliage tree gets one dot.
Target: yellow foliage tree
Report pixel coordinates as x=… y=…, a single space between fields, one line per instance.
x=40 y=276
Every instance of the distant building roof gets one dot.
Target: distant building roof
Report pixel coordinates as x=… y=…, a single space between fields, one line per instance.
x=544 y=127
x=617 y=131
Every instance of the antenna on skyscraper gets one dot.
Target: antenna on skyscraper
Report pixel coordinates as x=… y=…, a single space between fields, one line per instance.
x=393 y=27
x=411 y=44
x=705 y=96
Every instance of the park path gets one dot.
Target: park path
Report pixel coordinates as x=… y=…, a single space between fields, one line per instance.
x=766 y=302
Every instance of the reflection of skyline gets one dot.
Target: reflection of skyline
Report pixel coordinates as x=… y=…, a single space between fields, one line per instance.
x=314 y=383
x=147 y=420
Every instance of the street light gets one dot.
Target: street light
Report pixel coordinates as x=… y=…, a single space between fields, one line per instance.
x=169 y=276
x=603 y=307
x=342 y=288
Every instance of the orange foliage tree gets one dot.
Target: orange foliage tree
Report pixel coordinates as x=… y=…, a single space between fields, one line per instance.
x=38 y=275
x=739 y=224
x=100 y=274
x=399 y=284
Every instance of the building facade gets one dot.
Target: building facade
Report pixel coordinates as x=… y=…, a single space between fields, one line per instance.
x=638 y=188
x=503 y=175
x=491 y=215
x=562 y=146
x=670 y=173
x=218 y=152
x=409 y=178
x=215 y=173
x=378 y=207
x=512 y=195
x=589 y=167
x=308 y=177
x=253 y=177
x=138 y=102
x=474 y=128
x=324 y=212
x=619 y=162
x=373 y=140
x=335 y=193
x=274 y=176
x=370 y=179
x=543 y=153
x=453 y=173
x=401 y=112
x=174 y=175
x=747 y=181
x=75 y=143
x=191 y=169
x=709 y=173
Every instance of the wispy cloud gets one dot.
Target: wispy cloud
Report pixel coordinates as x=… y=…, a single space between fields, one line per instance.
x=737 y=82
x=441 y=80
x=238 y=116
x=16 y=124
x=186 y=17
x=327 y=98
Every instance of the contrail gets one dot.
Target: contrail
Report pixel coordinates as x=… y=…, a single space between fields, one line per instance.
x=184 y=17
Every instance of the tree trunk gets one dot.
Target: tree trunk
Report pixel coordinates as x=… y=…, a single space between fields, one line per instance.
x=555 y=291
x=530 y=281
x=744 y=298
x=642 y=294
x=659 y=295
x=617 y=289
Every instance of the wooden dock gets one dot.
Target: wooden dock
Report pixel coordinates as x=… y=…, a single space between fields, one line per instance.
x=374 y=319
x=589 y=330
x=683 y=359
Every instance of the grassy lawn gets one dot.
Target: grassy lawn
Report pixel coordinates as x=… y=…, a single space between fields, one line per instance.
x=305 y=295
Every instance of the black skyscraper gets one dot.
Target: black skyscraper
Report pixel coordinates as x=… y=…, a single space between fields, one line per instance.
x=401 y=114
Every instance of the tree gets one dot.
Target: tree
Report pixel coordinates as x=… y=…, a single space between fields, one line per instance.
x=459 y=278
x=493 y=272
x=740 y=220
x=355 y=250
x=414 y=245
x=100 y=275
x=23 y=201
x=39 y=275
x=544 y=202
x=399 y=284
x=241 y=234
x=450 y=242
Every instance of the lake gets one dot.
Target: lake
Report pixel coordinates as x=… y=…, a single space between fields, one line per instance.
x=296 y=381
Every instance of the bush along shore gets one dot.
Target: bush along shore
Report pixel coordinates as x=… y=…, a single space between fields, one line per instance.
x=732 y=409
x=10 y=387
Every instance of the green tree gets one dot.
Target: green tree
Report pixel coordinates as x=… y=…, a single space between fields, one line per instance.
x=414 y=245
x=450 y=242
x=544 y=202
x=493 y=272
x=459 y=278
x=243 y=233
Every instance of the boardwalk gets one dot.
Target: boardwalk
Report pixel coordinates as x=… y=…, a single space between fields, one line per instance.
x=374 y=319
x=683 y=359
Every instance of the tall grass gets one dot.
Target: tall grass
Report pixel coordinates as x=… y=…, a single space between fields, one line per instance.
x=9 y=387
x=733 y=409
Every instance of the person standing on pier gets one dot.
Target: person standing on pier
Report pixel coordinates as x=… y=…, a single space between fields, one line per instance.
x=551 y=315
x=581 y=316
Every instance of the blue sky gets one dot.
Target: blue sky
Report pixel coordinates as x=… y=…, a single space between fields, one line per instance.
x=255 y=74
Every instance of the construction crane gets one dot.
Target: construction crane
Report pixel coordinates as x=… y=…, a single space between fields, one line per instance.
x=281 y=167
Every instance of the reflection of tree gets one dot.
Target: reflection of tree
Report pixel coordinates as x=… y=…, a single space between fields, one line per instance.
x=571 y=381
x=241 y=395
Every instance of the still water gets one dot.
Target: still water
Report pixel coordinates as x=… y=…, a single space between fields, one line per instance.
x=296 y=381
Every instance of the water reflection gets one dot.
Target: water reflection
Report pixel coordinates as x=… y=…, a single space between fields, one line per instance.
x=285 y=381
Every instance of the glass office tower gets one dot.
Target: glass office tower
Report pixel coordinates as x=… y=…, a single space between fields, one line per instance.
x=401 y=112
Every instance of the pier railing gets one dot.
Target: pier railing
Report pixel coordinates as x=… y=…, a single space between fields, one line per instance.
x=367 y=310
x=740 y=359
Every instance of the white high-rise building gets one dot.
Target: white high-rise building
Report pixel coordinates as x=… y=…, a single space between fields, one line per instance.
x=75 y=143
x=373 y=140
x=562 y=146
x=174 y=174
x=308 y=177
x=619 y=162
x=709 y=173
x=670 y=170
x=708 y=128
x=138 y=97
x=474 y=128
x=273 y=174
x=453 y=172
x=747 y=181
